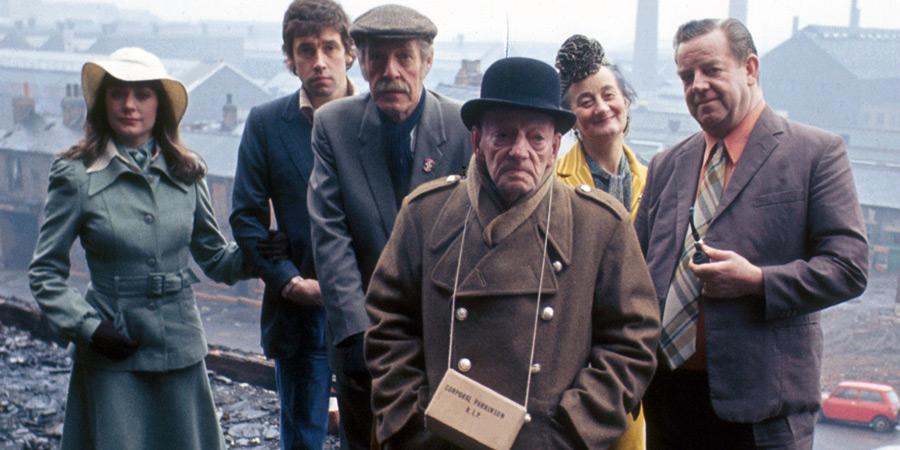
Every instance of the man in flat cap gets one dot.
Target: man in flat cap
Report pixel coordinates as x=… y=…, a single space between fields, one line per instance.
x=370 y=151
x=532 y=288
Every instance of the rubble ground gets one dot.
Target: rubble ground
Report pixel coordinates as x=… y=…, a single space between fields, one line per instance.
x=862 y=341
x=34 y=379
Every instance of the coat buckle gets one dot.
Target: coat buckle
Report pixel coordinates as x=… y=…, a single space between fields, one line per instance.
x=156 y=285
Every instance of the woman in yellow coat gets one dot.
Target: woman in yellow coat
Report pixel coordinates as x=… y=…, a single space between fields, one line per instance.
x=596 y=92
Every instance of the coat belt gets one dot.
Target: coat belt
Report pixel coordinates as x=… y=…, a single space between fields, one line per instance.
x=151 y=285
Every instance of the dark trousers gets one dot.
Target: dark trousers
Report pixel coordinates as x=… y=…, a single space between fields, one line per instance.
x=354 y=394
x=680 y=416
x=304 y=388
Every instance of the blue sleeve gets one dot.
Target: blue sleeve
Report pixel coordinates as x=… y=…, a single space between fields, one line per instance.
x=250 y=202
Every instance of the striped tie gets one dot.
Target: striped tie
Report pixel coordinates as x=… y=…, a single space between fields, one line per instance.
x=679 y=325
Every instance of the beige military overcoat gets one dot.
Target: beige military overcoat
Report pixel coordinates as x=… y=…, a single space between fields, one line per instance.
x=598 y=326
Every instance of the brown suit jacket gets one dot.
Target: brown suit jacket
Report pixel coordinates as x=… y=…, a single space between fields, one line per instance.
x=596 y=352
x=791 y=209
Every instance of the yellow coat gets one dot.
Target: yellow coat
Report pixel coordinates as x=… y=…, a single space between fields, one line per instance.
x=573 y=170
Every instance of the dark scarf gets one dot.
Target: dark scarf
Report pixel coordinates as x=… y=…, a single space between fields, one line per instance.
x=397 y=146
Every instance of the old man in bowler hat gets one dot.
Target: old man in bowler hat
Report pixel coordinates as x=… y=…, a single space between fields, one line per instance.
x=369 y=152
x=549 y=298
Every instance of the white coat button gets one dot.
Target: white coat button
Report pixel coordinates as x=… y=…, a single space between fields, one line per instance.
x=547 y=313
x=464 y=365
x=557 y=266
x=451 y=178
x=535 y=368
x=584 y=188
x=461 y=314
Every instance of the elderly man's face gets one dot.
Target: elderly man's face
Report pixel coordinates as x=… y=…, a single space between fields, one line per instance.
x=718 y=89
x=395 y=71
x=517 y=146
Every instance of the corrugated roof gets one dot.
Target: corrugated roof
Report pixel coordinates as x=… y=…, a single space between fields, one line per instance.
x=44 y=135
x=50 y=136
x=219 y=150
x=876 y=184
x=203 y=71
x=867 y=53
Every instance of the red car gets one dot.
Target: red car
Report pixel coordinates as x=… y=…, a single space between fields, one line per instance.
x=873 y=404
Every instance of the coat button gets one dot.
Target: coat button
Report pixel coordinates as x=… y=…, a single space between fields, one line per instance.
x=451 y=178
x=535 y=368
x=461 y=314
x=547 y=313
x=584 y=188
x=557 y=266
x=148 y=218
x=464 y=365
x=151 y=262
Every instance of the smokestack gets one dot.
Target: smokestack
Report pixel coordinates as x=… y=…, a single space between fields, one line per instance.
x=737 y=9
x=854 y=16
x=229 y=115
x=73 y=108
x=646 y=35
x=795 y=27
x=23 y=107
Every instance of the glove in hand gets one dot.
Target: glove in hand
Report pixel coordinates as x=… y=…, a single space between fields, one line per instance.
x=112 y=344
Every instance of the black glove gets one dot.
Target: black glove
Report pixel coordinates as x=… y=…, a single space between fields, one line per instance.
x=275 y=247
x=112 y=344
x=353 y=361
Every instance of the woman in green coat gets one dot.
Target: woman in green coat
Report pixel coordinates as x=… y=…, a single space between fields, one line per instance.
x=136 y=198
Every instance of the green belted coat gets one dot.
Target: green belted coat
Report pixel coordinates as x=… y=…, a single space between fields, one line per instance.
x=138 y=229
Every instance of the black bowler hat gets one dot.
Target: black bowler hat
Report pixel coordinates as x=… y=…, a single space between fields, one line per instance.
x=519 y=83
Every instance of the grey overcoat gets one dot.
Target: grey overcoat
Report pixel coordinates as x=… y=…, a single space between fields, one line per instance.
x=351 y=198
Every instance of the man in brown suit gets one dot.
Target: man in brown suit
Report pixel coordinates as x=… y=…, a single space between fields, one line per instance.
x=544 y=279
x=775 y=206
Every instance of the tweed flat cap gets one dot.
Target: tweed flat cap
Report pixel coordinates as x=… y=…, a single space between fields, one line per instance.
x=392 y=22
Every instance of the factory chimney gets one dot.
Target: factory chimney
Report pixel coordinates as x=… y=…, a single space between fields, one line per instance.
x=646 y=35
x=737 y=9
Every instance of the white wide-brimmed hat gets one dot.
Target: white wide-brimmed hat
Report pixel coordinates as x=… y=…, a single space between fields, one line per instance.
x=133 y=64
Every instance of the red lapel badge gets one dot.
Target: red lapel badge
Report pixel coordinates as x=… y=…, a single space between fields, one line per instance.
x=429 y=164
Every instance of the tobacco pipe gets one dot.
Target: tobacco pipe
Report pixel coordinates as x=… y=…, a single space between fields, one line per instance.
x=700 y=257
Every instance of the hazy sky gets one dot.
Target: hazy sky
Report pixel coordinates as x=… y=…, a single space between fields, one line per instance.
x=611 y=22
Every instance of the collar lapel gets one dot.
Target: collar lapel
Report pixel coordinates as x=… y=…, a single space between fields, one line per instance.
x=486 y=268
x=760 y=144
x=106 y=169
x=158 y=165
x=291 y=137
x=375 y=165
x=430 y=136
x=687 y=172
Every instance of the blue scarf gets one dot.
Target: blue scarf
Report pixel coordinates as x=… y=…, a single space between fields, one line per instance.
x=140 y=155
x=397 y=146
